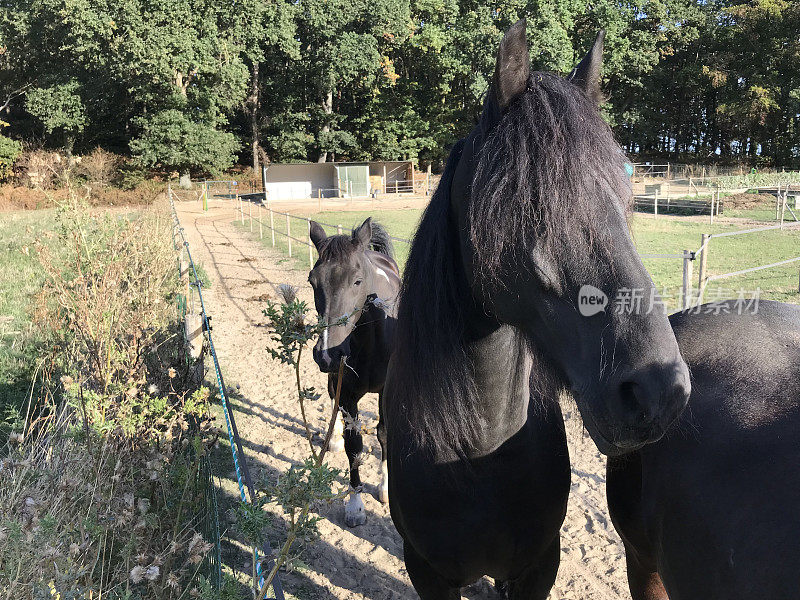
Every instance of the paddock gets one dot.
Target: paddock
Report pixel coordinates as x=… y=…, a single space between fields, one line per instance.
x=252 y=247
x=346 y=563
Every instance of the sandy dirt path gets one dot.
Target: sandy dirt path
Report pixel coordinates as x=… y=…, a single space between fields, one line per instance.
x=363 y=562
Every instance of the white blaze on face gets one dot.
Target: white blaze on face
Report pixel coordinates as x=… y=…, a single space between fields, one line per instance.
x=382 y=273
x=325 y=355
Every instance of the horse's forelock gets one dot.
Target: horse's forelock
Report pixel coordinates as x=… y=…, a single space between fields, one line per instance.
x=546 y=171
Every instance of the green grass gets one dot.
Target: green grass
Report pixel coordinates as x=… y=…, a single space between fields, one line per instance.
x=20 y=279
x=652 y=236
x=672 y=236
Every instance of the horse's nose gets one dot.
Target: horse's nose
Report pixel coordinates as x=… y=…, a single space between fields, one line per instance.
x=327 y=359
x=647 y=401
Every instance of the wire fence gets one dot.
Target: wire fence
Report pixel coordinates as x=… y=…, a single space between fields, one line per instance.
x=714 y=195
x=702 y=253
x=262 y=212
x=689 y=295
x=243 y=477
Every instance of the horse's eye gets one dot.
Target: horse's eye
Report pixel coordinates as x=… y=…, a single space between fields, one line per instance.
x=357 y=282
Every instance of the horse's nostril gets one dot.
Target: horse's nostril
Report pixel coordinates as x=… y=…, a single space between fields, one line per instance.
x=628 y=397
x=638 y=409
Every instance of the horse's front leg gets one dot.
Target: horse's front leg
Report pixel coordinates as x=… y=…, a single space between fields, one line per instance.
x=354 y=512
x=383 y=486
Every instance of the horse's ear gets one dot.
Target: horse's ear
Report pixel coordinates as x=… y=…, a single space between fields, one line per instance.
x=317 y=234
x=587 y=74
x=513 y=65
x=363 y=234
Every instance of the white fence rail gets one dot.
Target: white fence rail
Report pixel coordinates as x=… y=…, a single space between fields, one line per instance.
x=265 y=218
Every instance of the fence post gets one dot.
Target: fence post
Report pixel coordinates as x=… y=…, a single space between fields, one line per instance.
x=428 y=181
x=250 y=215
x=193 y=324
x=777 y=202
x=260 y=224
x=319 y=199
x=289 y=234
x=783 y=204
x=687 y=278
x=655 y=203
x=701 y=279
x=241 y=210
x=272 y=225
x=711 y=216
x=384 y=179
x=339 y=229
x=310 y=244
x=667 y=171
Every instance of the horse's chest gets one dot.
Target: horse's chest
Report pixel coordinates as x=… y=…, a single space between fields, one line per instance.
x=493 y=521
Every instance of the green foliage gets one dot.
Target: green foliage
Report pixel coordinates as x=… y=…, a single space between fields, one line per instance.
x=9 y=152
x=59 y=107
x=302 y=487
x=172 y=140
x=352 y=80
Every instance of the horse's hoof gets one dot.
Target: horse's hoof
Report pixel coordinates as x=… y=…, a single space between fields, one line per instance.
x=354 y=513
x=336 y=445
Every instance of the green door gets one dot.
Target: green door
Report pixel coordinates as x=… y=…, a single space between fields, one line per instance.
x=353 y=180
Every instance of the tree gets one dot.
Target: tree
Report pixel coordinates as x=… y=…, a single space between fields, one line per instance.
x=60 y=109
x=171 y=140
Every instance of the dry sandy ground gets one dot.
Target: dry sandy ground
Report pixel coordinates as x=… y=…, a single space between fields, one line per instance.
x=363 y=562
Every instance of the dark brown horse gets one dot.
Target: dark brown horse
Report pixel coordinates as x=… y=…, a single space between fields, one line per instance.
x=530 y=213
x=712 y=510
x=355 y=277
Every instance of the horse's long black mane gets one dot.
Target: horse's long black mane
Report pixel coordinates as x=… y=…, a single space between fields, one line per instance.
x=336 y=247
x=431 y=361
x=545 y=170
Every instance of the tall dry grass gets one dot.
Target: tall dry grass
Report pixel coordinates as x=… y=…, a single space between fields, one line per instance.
x=101 y=493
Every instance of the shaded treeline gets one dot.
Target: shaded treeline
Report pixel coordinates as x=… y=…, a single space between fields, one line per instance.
x=198 y=84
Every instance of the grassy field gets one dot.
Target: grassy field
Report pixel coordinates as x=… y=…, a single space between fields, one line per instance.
x=663 y=235
x=20 y=278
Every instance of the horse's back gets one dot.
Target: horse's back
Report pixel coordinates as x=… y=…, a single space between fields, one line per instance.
x=717 y=511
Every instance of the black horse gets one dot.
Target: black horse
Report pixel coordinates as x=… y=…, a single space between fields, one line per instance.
x=526 y=232
x=355 y=277
x=712 y=510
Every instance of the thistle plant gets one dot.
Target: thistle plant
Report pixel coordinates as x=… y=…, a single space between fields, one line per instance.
x=301 y=487
x=292 y=331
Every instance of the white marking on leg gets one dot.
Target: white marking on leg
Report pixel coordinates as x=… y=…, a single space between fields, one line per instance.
x=382 y=273
x=383 y=490
x=354 y=512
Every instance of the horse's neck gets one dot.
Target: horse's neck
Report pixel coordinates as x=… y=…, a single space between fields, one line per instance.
x=501 y=367
x=385 y=281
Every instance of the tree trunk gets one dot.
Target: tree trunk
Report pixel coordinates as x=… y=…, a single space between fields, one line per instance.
x=254 y=103
x=327 y=106
x=69 y=145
